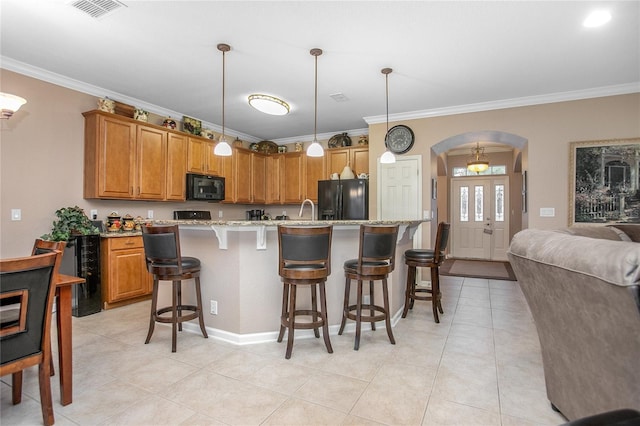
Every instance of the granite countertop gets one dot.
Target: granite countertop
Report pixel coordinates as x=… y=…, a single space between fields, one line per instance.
x=292 y=222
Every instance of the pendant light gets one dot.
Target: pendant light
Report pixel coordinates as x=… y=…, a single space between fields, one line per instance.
x=478 y=162
x=223 y=149
x=315 y=149
x=387 y=157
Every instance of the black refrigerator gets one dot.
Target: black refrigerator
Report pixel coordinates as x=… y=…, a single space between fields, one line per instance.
x=343 y=199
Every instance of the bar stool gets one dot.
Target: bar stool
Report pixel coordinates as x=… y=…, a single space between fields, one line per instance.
x=424 y=258
x=376 y=260
x=165 y=263
x=304 y=259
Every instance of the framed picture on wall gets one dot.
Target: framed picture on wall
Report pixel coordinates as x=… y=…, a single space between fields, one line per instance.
x=604 y=181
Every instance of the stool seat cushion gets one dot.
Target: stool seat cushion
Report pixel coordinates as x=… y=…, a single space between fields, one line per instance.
x=419 y=254
x=302 y=267
x=352 y=264
x=187 y=263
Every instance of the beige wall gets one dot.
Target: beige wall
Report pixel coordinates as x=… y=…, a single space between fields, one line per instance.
x=41 y=155
x=549 y=129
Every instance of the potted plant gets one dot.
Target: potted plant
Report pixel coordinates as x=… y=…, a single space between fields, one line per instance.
x=71 y=221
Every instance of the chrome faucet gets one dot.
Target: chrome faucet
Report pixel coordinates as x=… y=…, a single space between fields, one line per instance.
x=313 y=215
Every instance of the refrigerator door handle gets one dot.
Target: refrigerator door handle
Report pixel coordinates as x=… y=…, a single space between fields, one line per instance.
x=339 y=203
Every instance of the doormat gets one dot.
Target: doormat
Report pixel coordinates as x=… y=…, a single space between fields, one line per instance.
x=478 y=269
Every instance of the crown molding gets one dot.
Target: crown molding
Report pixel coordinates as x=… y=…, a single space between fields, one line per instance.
x=596 y=92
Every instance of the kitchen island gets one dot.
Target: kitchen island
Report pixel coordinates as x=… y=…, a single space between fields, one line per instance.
x=240 y=272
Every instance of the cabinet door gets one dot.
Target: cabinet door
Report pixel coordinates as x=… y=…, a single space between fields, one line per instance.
x=360 y=160
x=314 y=171
x=151 y=163
x=292 y=184
x=242 y=175
x=273 y=170
x=226 y=170
x=211 y=161
x=129 y=277
x=336 y=160
x=116 y=158
x=176 y=167
x=258 y=175
x=196 y=155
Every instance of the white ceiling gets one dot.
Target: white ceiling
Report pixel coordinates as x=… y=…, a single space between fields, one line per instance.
x=446 y=56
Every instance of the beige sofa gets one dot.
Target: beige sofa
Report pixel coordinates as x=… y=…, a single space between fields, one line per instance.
x=583 y=292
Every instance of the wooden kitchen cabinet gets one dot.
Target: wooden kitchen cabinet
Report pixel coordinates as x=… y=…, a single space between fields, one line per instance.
x=124 y=271
x=176 y=167
x=292 y=184
x=356 y=157
x=241 y=175
x=273 y=171
x=258 y=178
x=314 y=171
x=124 y=159
x=200 y=157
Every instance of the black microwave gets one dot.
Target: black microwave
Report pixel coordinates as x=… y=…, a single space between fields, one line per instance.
x=205 y=187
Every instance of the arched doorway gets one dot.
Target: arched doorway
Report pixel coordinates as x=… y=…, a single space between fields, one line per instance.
x=496 y=202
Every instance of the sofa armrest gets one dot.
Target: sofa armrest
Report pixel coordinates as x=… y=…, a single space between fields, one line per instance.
x=615 y=262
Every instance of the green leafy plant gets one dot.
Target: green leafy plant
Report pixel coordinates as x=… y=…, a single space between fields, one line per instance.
x=71 y=221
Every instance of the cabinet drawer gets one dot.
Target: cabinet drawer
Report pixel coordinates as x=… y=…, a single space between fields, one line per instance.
x=119 y=243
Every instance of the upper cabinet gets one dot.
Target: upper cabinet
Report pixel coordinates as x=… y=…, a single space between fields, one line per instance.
x=200 y=157
x=356 y=157
x=127 y=160
x=314 y=171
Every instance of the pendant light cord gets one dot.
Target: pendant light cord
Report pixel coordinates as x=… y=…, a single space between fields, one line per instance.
x=223 y=75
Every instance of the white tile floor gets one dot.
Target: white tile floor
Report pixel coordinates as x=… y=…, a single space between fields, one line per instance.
x=480 y=366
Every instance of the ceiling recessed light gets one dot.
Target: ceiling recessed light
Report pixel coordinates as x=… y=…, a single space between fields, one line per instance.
x=269 y=104
x=597 y=18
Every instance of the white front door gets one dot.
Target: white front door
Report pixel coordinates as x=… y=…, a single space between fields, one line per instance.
x=480 y=225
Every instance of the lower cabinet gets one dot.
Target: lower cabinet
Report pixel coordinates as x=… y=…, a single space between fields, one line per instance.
x=124 y=271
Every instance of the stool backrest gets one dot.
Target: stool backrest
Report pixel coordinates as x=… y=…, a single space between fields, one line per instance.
x=377 y=254
x=442 y=238
x=303 y=249
x=28 y=283
x=162 y=247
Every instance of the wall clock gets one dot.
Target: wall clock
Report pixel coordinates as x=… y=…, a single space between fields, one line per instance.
x=399 y=139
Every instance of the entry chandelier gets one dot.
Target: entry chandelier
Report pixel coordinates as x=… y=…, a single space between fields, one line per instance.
x=315 y=149
x=269 y=104
x=222 y=148
x=478 y=162
x=10 y=104
x=387 y=157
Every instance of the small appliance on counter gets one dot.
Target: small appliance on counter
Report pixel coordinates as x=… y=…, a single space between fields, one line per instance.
x=192 y=215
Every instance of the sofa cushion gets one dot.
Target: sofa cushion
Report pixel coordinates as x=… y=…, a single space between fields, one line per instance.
x=632 y=230
x=615 y=262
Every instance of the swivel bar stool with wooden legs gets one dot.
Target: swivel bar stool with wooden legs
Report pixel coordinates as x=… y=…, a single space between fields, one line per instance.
x=165 y=263
x=424 y=258
x=304 y=260
x=376 y=260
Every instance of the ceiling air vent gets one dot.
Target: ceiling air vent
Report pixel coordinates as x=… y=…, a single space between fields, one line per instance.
x=97 y=8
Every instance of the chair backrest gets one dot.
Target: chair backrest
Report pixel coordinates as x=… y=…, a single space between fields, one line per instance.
x=377 y=253
x=43 y=246
x=442 y=239
x=304 y=251
x=28 y=283
x=162 y=247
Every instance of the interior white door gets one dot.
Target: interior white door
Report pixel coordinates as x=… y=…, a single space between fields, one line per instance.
x=400 y=189
x=480 y=217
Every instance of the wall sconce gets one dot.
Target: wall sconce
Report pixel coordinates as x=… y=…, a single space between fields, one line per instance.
x=10 y=104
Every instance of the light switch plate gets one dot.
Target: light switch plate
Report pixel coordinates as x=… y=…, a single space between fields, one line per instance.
x=547 y=212
x=16 y=214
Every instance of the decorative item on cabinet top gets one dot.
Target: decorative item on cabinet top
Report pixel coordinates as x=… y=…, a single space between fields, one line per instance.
x=363 y=140
x=141 y=115
x=207 y=133
x=267 y=147
x=169 y=123
x=339 y=140
x=107 y=105
x=192 y=126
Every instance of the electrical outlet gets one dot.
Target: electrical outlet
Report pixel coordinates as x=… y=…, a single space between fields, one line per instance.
x=366 y=299
x=219 y=214
x=214 y=307
x=94 y=214
x=149 y=214
x=284 y=212
x=16 y=214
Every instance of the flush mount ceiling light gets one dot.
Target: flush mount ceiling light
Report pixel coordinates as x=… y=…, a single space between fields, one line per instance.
x=222 y=147
x=10 y=104
x=597 y=18
x=315 y=149
x=387 y=157
x=269 y=104
x=478 y=162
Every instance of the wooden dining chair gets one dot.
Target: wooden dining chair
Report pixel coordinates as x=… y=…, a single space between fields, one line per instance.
x=29 y=284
